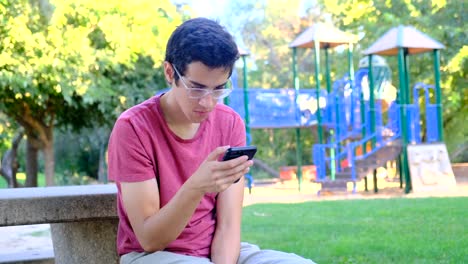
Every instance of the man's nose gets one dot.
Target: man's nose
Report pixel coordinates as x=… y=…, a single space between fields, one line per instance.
x=207 y=100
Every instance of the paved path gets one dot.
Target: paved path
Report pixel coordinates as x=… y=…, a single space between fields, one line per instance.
x=288 y=192
x=15 y=239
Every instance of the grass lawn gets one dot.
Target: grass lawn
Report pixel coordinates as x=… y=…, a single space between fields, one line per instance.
x=21 y=177
x=399 y=230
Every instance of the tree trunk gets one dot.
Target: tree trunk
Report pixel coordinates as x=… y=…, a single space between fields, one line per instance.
x=8 y=169
x=14 y=147
x=10 y=162
x=31 y=164
x=49 y=161
x=102 y=171
x=40 y=137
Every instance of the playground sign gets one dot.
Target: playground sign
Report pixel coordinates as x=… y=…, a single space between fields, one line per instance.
x=430 y=167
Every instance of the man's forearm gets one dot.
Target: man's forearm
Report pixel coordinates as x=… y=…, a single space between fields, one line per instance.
x=170 y=221
x=225 y=247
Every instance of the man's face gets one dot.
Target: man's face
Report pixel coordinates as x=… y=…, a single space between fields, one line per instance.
x=186 y=90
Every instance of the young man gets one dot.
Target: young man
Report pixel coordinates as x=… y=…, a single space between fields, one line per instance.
x=177 y=201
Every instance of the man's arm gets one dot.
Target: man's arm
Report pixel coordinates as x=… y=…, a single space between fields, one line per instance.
x=226 y=243
x=156 y=227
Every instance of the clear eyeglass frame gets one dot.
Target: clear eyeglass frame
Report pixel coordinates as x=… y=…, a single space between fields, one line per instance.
x=198 y=93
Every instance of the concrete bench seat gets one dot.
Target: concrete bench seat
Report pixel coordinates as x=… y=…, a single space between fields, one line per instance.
x=83 y=219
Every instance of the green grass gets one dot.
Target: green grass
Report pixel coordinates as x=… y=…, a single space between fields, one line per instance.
x=3 y=183
x=400 y=230
x=21 y=177
x=42 y=233
x=60 y=179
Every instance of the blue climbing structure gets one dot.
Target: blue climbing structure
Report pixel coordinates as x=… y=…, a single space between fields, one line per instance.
x=357 y=151
x=360 y=127
x=357 y=148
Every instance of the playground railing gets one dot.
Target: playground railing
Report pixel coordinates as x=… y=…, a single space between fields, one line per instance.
x=414 y=112
x=323 y=158
x=319 y=158
x=379 y=139
x=329 y=156
x=346 y=155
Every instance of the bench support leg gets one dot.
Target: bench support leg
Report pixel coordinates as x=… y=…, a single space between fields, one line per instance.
x=85 y=242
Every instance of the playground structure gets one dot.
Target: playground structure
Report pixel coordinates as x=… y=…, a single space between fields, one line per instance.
x=355 y=134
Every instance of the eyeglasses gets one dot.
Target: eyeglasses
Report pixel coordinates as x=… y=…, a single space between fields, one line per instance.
x=198 y=93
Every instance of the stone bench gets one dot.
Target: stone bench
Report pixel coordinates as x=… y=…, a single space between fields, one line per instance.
x=83 y=219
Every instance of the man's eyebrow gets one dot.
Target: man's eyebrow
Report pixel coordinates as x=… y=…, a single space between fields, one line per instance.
x=196 y=83
x=203 y=85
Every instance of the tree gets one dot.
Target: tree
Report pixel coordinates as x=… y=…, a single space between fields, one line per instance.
x=268 y=33
x=442 y=20
x=268 y=27
x=74 y=63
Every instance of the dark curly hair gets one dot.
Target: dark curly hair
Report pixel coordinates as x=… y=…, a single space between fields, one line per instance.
x=201 y=40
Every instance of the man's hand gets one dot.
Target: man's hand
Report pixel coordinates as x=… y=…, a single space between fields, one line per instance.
x=216 y=176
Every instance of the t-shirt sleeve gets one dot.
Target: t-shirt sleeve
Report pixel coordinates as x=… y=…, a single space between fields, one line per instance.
x=128 y=159
x=238 y=137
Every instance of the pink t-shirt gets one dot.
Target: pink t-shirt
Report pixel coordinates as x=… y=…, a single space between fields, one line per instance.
x=142 y=147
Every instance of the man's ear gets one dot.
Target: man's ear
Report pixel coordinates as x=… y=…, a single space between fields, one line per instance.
x=168 y=72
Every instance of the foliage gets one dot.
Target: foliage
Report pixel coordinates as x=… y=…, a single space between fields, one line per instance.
x=265 y=28
x=21 y=177
x=267 y=34
x=278 y=146
x=128 y=40
x=78 y=63
x=40 y=68
x=429 y=230
x=79 y=154
x=77 y=54
x=75 y=65
x=443 y=21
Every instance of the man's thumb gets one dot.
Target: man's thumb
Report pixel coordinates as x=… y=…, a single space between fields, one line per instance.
x=214 y=155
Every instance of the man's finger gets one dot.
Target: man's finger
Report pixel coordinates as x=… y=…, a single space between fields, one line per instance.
x=214 y=155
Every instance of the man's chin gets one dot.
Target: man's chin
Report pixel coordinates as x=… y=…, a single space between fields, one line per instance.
x=201 y=116
x=198 y=120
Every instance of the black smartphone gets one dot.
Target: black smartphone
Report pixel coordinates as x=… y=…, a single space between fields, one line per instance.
x=235 y=152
